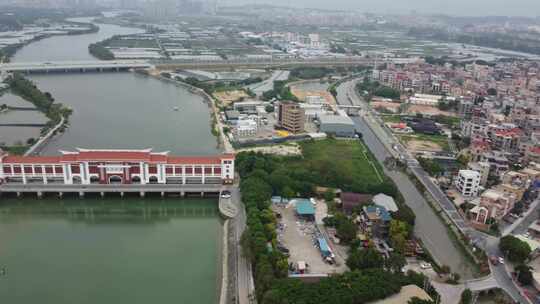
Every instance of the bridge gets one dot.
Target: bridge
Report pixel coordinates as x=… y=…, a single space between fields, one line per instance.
x=262 y=63
x=33 y=125
x=74 y=66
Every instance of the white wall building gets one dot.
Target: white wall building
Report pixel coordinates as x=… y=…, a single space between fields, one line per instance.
x=468 y=182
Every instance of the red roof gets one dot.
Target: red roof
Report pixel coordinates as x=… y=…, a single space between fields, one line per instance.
x=117 y=156
x=480 y=143
x=15 y=159
x=535 y=150
x=510 y=132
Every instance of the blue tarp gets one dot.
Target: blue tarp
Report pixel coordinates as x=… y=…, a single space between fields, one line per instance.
x=323 y=246
x=304 y=207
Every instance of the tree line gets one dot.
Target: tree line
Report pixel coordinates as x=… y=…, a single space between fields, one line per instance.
x=43 y=101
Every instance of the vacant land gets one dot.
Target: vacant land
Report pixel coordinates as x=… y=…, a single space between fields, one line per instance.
x=301 y=94
x=228 y=97
x=423 y=142
x=428 y=110
x=342 y=162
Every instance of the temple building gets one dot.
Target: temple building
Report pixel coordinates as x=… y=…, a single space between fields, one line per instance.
x=91 y=166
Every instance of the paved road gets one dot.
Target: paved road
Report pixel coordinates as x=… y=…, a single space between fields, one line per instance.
x=488 y=243
x=245 y=285
x=268 y=84
x=521 y=225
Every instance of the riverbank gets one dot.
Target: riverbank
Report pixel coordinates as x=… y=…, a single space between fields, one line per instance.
x=57 y=113
x=6 y=53
x=216 y=126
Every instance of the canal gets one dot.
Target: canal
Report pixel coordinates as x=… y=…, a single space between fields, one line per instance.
x=428 y=227
x=49 y=254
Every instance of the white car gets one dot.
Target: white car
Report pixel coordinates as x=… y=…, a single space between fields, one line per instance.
x=225 y=194
x=425 y=265
x=501 y=260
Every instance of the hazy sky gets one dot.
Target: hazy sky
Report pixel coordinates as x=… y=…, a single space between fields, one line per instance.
x=449 y=7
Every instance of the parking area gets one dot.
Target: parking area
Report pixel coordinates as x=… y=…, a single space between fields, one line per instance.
x=300 y=238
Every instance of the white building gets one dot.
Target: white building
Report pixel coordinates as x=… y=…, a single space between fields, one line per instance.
x=425 y=99
x=468 y=182
x=246 y=128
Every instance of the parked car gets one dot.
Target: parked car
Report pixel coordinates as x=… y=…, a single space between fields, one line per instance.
x=494 y=260
x=425 y=265
x=501 y=260
x=225 y=194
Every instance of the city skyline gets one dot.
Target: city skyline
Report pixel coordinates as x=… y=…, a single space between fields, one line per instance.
x=457 y=7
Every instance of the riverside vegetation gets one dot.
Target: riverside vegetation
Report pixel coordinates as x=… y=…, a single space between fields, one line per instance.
x=370 y=278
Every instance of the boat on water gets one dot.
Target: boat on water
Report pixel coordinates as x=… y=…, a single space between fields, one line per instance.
x=176 y=108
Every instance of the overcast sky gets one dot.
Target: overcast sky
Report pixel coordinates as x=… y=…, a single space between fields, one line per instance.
x=448 y=7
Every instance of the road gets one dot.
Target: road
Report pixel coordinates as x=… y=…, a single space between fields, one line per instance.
x=347 y=95
x=268 y=84
x=244 y=279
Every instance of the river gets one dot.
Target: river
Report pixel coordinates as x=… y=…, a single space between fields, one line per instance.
x=114 y=255
x=428 y=227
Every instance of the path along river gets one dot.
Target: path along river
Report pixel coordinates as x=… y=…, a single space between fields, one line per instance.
x=113 y=250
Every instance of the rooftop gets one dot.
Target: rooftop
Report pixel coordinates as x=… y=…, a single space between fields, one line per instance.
x=304 y=207
x=336 y=119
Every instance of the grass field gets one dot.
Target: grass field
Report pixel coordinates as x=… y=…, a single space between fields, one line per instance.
x=349 y=161
x=391 y=118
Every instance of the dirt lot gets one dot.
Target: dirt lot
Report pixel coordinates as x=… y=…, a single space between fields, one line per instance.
x=228 y=97
x=301 y=94
x=299 y=237
x=422 y=145
x=392 y=106
x=290 y=149
x=428 y=110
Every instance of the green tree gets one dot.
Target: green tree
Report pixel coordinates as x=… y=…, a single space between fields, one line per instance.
x=329 y=195
x=395 y=262
x=515 y=249
x=466 y=296
x=417 y=300
x=398 y=232
x=524 y=274
x=365 y=259
x=345 y=228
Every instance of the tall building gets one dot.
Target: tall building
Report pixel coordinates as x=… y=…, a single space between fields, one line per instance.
x=468 y=182
x=291 y=116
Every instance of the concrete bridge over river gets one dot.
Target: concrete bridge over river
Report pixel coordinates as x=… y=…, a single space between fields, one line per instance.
x=123 y=65
x=74 y=66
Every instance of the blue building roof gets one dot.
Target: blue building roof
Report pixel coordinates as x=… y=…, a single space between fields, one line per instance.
x=304 y=207
x=323 y=245
x=384 y=214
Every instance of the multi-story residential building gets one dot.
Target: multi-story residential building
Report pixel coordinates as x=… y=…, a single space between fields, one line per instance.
x=468 y=182
x=493 y=204
x=482 y=168
x=291 y=116
x=532 y=154
x=506 y=139
x=478 y=147
x=497 y=160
